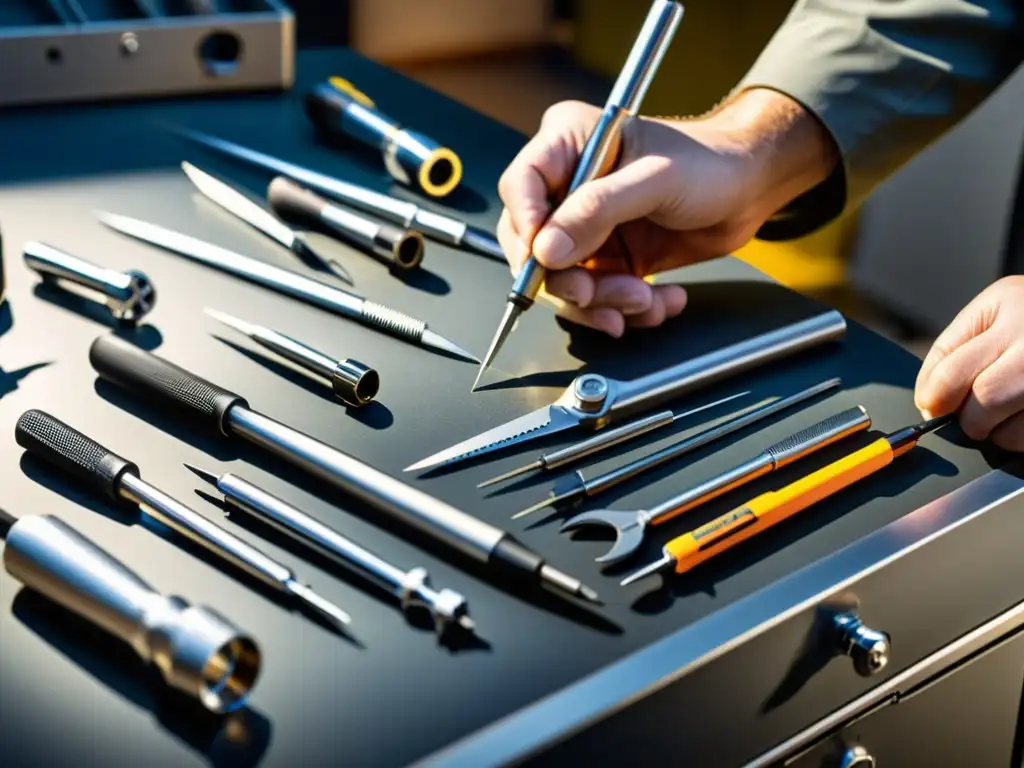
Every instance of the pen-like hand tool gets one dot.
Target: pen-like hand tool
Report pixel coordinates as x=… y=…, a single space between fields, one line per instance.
x=771 y=508
x=601 y=152
x=119 y=479
x=630 y=526
x=448 y=608
x=148 y=376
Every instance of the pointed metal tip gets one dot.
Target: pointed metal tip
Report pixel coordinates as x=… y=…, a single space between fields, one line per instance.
x=231 y=321
x=476 y=381
x=339 y=271
x=647 y=570
x=466 y=623
x=437 y=341
x=550 y=501
x=508 y=322
x=509 y=475
x=201 y=473
x=589 y=595
x=321 y=605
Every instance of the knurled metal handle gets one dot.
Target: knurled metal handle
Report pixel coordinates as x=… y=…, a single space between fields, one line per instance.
x=818 y=436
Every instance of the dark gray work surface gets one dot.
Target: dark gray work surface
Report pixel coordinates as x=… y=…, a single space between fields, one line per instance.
x=68 y=696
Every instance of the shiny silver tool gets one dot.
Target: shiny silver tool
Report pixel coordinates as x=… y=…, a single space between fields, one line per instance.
x=292 y=284
x=594 y=401
x=400 y=249
x=601 y=152
x=574 y=488
x=128 y=295
x=602 y=440
x=197 y=650
x=353 y=383
x=338 y=107
x=148 y=376
x=436 y=226
x=234 y=202
x=448 y=608
x=629 y=526
x=82 y=457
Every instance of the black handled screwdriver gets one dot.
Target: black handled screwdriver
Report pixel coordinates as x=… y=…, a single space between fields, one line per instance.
x=147 y=375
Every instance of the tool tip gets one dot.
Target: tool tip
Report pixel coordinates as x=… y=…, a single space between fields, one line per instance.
x=663 y=562
x=230 y=321
x=509 y=475
x=322 y=606
x=466 y=623
x=535 y=508
x=589 y=595
x=437 y=341
x=201 y=473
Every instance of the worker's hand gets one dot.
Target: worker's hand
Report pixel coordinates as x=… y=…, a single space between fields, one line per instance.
x=976 y=367
x=683 y=191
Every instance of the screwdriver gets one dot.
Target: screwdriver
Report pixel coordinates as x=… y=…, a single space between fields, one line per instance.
x=762 y=512
x=601 y=152
x=119 y=479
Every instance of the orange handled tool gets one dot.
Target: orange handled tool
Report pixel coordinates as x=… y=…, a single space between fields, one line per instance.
x=762 y=512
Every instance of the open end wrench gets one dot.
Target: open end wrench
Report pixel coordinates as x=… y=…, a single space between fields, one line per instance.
x=630 y=525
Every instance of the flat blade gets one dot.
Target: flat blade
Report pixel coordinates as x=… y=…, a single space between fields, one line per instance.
x=544 y=421
x=241 y=206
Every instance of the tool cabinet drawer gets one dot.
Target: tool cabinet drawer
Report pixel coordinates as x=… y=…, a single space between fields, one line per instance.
x=892 y=599
x=968 y=716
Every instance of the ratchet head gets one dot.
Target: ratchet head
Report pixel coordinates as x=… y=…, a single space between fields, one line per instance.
x=628 y=526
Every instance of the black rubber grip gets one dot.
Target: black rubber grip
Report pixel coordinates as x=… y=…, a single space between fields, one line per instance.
x=148 y=376
x=68 y=449
x=290 y=201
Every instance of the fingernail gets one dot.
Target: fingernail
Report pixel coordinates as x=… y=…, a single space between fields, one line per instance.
x=552 y=246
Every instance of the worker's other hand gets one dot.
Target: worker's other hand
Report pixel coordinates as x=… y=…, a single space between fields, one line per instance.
x=683 y=191
x=976 y=367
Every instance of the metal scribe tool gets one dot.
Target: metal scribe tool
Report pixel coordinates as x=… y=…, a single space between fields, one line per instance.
x=353 y=383
x=436 y=226
x=292 y=284
x=601 y=152
x=196 y=650
x=412 y=587
x=148 y=376
x=602 y=440
x=119 y=479
x=595 y=401
x=630 y=526
x=577 y=487
x=233 y=201
x=761 y=513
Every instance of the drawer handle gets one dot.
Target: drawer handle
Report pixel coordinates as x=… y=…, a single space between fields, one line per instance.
x=857 y=757
x=868 y=649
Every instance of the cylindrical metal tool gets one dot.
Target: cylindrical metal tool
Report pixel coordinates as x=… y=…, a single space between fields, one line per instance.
x=147 y=375
x=413 y=159
x=400 y=249
x=412 y=587
x=436 y=226
x=601 y=152
x=119 y=479
x=355 y=384
x=196 y=649
x=128 y=295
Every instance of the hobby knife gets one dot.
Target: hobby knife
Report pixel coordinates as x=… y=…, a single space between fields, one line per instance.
x=233 y=201
x=595 y=401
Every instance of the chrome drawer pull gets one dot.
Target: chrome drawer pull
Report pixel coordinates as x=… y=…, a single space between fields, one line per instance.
x=868 y=649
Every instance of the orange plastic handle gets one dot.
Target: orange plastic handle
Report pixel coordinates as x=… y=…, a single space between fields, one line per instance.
x=764 y=511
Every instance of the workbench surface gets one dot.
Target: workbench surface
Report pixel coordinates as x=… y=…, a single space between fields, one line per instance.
x=69 y=695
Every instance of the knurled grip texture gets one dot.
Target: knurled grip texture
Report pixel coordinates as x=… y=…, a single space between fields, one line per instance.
x=146 y=375
x=68 y=449
x=821 y=434
x=393 y=321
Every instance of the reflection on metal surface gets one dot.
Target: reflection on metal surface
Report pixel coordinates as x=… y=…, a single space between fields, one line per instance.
x=857 y=757
x=869 y=649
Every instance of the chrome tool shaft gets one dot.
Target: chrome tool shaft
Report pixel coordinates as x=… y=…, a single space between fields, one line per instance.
x=292 y=284
x=196 y=650
x=354 y=384
x=601 y=152
x=81 y=456
x=412 y=588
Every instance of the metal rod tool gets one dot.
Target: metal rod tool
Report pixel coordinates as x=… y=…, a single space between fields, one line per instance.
x=128 y=295
x=338 y=107
x=292 y=284
x=596 y=401
x=601 y=152
x=234 y=202
x=353 y=383
x=576 y=487
x=119 y=479
x=196 y=649
x=400 y=249
x=448 y=608
x=686 y=552
x=146 y=375
x=436 y=226
x=629 y=526
x=602 y=440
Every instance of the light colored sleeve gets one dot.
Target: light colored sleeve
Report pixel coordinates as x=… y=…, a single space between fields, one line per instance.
x=886 y=78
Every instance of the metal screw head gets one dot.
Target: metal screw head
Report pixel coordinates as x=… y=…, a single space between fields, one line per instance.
x=143 y=298
x=590 y=390
x=869 y=649
x=129 y=44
